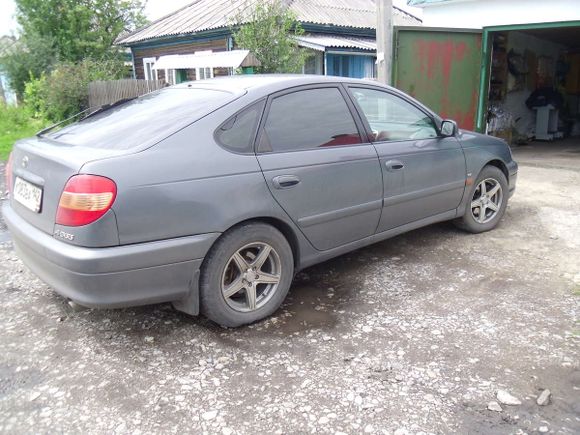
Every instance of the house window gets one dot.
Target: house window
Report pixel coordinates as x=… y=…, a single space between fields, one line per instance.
x=203 y=73
x=170 y=76
x=150 y=73
x=355 y=66
x=313 y=64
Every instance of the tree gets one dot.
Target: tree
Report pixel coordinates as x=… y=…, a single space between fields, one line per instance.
x=79 y=28
x=66 y=32
x=269 y=35
x=30 y=57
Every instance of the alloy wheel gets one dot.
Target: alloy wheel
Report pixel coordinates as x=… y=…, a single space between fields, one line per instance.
x=487 y=200
x=251 y=277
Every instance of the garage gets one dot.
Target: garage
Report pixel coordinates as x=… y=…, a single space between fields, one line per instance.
x=517 y=82
x=530 y=83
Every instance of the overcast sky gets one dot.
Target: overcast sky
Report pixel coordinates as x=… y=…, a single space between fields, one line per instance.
x=155 y=9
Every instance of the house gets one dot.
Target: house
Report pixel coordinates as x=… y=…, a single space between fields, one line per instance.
x=7 y=95
x=477 y=14
x=190 y=43
x=526 y=80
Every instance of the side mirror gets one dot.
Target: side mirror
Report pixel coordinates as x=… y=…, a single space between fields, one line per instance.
x=448 y=128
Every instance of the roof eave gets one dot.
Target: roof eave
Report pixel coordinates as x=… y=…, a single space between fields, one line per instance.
x=430 y=3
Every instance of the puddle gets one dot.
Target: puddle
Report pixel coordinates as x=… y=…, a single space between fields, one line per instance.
x=308 y=308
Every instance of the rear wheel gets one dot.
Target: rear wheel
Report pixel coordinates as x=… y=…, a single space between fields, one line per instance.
x=246 y=275
x=488 y=201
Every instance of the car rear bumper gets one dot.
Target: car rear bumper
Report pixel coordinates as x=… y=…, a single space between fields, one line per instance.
x=114 y=277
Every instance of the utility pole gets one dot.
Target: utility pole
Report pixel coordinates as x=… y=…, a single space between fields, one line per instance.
x=384 y=40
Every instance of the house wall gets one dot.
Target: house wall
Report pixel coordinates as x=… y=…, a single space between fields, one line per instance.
x=139 y=53
x=475 y=14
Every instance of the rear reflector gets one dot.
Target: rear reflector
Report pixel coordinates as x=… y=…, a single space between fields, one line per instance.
x=8 y=174
x=85 y=199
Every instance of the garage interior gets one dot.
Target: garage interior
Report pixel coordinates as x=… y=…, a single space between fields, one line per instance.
x=534 y=86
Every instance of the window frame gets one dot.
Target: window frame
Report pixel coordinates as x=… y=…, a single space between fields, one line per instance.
x=253 y=140
x=434 y=117
x=205 y=68
x=363 y=135
x=170 y=76
x=149 y=60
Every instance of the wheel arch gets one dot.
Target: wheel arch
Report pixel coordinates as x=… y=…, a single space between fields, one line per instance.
x=500 y=165
x=286 y=230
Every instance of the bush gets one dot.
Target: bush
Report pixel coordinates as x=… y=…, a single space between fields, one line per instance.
x=65 y=91
x=16 y=123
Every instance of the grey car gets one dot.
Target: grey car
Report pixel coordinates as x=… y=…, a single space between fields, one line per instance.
x=213 y=194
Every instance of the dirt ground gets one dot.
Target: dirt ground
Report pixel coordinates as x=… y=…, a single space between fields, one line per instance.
x=413 y=335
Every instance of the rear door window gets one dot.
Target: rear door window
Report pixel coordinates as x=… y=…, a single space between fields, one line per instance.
x=145 y=120
x=308 y=119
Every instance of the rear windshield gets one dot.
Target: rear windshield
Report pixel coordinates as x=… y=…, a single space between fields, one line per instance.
x=145 y=120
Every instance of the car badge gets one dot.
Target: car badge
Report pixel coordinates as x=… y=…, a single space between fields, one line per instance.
x=25 y=161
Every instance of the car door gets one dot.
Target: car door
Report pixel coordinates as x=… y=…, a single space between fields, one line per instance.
x=423 y=174
x=317 y=166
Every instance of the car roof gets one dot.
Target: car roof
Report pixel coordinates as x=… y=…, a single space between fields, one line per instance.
x=268 y=82
x=256 y=86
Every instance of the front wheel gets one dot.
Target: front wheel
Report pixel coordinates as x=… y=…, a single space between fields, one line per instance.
x=246 y=275
x=488 y=202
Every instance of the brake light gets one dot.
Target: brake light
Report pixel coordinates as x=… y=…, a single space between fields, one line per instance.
x=85 y=199
x=8 y=174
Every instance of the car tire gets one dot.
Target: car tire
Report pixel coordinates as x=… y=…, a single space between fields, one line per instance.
x=232 y=290
x=473 y=220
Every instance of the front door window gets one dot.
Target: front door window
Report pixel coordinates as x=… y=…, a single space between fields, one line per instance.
x=391 y=118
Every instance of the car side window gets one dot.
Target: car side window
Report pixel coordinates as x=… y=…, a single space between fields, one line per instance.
x=237 y=133
x=391 y=118
x=308 y=119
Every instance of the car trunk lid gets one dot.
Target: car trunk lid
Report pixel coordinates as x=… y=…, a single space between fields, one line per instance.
x=46 y=165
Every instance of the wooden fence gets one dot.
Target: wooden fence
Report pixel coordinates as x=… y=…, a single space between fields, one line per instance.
x=111 y=91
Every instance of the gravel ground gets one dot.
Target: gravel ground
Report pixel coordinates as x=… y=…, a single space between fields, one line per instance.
x=413 y=335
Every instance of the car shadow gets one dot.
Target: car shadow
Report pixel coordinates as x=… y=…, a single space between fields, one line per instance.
x=320 y=295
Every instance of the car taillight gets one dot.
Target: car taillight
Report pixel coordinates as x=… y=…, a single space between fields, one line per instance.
x=8 y=174
x=85 y=199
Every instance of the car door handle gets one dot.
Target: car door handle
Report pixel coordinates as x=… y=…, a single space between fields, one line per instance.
x=394 y=165
x=285 y=181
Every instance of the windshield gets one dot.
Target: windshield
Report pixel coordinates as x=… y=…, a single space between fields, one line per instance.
x=143 y=121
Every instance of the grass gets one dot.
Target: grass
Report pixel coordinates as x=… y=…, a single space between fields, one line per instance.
x=16 y=123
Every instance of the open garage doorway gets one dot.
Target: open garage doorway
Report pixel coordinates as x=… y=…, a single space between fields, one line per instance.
x=530 y=84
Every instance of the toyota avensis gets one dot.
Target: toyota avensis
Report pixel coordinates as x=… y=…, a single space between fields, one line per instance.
x=212 y=195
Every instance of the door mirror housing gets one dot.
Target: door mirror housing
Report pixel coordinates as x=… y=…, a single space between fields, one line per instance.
x=448 y=128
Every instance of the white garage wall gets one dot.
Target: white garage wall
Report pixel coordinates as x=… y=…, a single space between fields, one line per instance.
x=475 y=14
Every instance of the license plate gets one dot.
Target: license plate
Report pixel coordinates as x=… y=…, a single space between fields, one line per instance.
x=27 y=194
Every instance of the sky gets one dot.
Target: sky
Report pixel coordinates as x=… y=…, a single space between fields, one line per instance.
x=155 y=9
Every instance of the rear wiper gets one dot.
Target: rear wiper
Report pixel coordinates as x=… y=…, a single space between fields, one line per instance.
x=76 y=115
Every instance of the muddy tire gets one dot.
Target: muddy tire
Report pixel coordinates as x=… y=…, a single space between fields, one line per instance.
x=246 y=275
